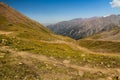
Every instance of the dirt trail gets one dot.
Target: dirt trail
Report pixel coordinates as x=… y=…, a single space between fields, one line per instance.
x=26 y=55
x=75 y=46
x=103 y=40
x=5 y=33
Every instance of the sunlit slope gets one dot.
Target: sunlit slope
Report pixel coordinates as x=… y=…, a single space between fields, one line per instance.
x=22 y=26
x=105 y=42
x=111 y=35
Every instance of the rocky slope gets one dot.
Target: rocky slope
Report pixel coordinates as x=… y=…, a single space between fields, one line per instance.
x=80 y=28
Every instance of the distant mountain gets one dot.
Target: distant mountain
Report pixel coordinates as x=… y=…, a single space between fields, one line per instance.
x=80 y=28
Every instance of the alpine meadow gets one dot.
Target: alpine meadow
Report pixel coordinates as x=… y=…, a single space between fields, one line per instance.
x=59 y=40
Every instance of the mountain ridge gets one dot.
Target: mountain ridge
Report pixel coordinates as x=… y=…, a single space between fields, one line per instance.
x=81 y=28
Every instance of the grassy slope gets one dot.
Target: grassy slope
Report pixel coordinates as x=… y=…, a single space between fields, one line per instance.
x=101 y=46
x=22 y=26
x=61 y=52
x=113 y=34
x=25 y=31
x=104 y=42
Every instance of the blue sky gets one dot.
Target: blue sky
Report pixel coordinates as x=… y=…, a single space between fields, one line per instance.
x=52 y=11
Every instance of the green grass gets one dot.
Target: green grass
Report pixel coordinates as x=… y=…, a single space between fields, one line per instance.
x=17 y=68
x=101 y=46
x=63 y=52
x=22 y=41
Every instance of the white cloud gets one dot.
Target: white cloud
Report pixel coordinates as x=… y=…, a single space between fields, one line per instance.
x=115 y=3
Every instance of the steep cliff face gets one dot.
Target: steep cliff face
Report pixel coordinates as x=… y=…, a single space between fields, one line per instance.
x=80 y=28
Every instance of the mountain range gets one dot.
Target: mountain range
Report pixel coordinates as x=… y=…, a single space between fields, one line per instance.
x=84 y=27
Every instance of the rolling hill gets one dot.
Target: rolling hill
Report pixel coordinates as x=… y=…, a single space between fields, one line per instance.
x=104 y=42
x=29 y=51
